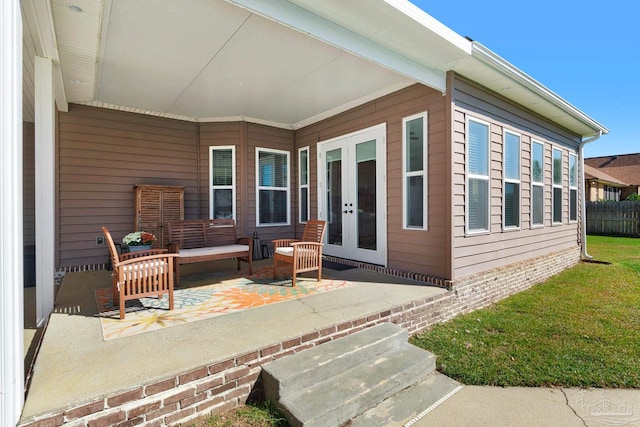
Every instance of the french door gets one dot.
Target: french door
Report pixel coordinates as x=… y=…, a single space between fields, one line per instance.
x=352 y=195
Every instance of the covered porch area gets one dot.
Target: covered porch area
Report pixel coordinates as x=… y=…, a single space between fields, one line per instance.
x=178 y=373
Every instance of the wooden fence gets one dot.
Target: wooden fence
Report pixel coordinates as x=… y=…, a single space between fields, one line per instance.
x=614 y=218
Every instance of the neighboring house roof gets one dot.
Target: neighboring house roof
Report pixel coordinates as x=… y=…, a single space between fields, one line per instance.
x=594 y=174
x=287 y=63
x=623 y=167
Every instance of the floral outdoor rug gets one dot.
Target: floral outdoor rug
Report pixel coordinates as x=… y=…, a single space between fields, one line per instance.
x=206 y=296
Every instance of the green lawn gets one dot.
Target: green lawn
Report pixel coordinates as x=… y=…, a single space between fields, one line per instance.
x=579 y=328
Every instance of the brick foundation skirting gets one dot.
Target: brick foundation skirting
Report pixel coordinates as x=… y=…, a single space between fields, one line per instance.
x=216 y=388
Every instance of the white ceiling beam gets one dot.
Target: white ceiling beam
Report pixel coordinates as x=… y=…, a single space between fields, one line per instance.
x=39 y=18
x=322 y=29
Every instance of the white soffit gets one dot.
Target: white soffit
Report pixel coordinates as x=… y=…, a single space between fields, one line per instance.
x=287 y=78
x=212 y=60
x=78 y=28
x=286 y=63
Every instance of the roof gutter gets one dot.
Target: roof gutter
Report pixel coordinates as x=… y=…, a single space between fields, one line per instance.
x=583 y=252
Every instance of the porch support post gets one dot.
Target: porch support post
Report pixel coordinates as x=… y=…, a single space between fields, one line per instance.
x=11 y=250
x=45 y=187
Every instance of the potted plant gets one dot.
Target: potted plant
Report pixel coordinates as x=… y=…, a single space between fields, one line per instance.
x=139 y=240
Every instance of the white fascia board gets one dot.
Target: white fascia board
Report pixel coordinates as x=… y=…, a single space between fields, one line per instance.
x=432 y=24
x=322 y=29
x=40 y=21
x=490 y=58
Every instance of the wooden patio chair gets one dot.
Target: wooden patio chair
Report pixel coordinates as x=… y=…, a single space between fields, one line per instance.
x=140 y=274
x=305 y=254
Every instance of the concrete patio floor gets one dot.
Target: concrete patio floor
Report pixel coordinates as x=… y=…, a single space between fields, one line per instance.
x=75 y=365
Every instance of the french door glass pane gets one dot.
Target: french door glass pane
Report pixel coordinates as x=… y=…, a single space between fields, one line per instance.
x=415 y=202
x=222 y=203
x=366 y=197
x=478 y=204
x=334 y=196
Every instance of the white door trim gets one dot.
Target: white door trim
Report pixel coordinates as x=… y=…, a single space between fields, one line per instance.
x=350 y=250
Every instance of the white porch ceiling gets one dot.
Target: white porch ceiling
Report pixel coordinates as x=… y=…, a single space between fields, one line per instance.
x=210 y=60
x=287 y=63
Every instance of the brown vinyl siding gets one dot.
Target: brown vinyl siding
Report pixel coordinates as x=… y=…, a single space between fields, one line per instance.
x=262 y=136
x=500 y=247
x=221 y=134
x=420 y=251
x=102 y=155
x=245 y=137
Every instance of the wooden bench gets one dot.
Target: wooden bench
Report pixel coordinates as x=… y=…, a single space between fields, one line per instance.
x=202 y=240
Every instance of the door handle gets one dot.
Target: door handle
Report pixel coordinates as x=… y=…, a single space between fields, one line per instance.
x=346 y=211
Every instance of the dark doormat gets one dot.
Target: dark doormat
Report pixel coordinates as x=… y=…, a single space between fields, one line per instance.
x=336 y=265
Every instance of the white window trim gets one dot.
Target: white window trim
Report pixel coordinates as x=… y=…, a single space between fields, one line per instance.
x=573 y=187
x=303 y=186
x=259 y=187
x=475 y=176
x=554 y=185
x=506 y=180
x=424 y=172
x=537 y=184
x=223 y=187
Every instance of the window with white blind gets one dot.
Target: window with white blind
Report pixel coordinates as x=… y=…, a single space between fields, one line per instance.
x=537 y=183
x=573 y=187
x=477 y=165
x=272 y=190
x=511 y=180
x=557 y=186
x=222 y=177
x=303 y=184
x=414 y=185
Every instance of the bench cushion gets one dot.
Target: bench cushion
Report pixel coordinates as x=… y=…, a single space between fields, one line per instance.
x=213 y=250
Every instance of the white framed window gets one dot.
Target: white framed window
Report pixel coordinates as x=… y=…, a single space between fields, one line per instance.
x=414 y=172
x=537 y=183
x=303 y=184
x=273 y=196
x=573 y=187
x=477 y=166
x=222 y=182
x=556 y=201
x=511 y=180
